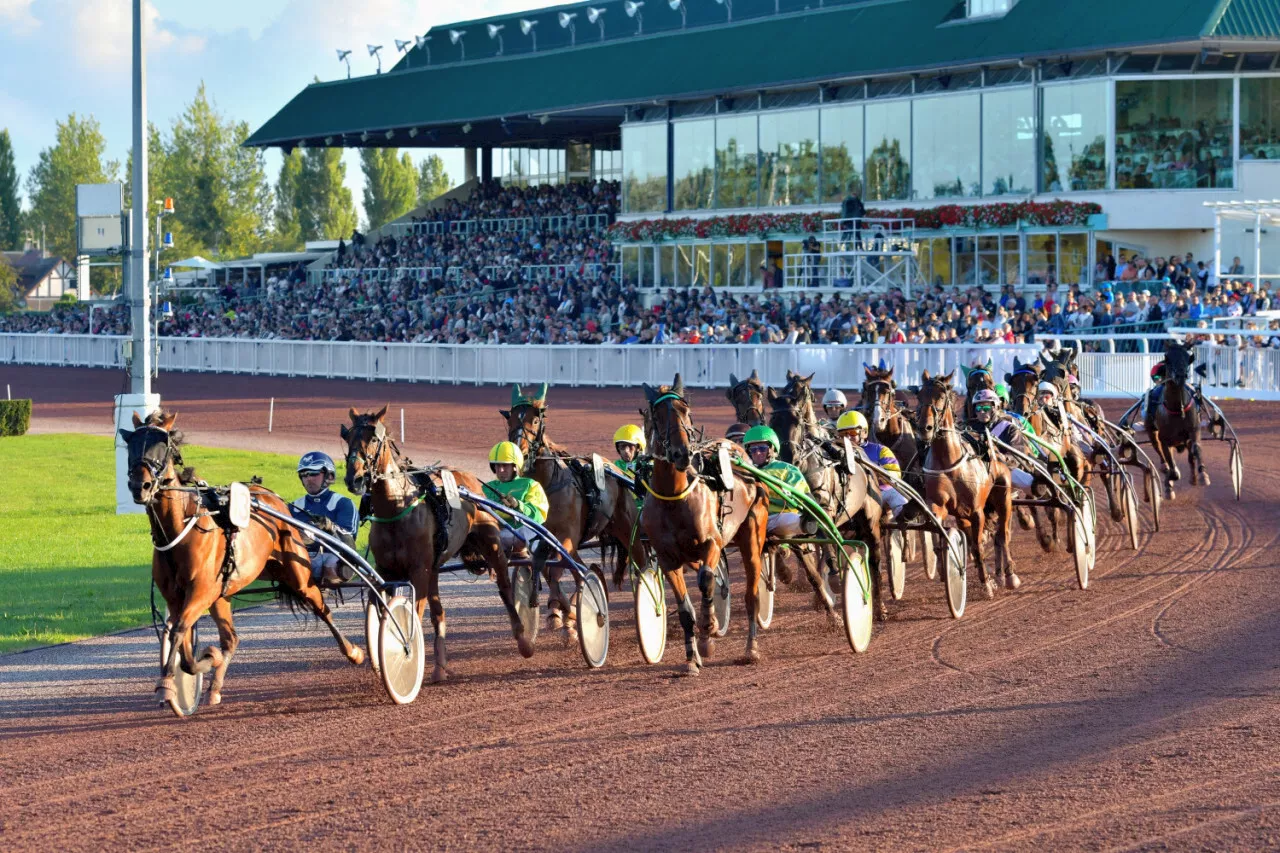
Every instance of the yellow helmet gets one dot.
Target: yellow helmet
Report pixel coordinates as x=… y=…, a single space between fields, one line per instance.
x=630 y=434
x=505 y=451
x=851 y=419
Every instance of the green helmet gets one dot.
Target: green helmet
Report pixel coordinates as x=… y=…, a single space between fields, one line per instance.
x=759 y=433
x=1002 y=392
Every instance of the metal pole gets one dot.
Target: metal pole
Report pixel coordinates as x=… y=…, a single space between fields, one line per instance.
x=402 y=426
x=271 y=414
x=1217 y=248
x=140 y=370
x=1257 y=252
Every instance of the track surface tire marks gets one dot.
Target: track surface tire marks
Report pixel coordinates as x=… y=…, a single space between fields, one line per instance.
x=1140 y=714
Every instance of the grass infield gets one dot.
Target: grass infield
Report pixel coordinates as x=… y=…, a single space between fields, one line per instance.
x=70 y=568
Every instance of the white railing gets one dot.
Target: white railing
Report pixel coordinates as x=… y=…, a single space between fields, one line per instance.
x=518 y=224
x=1233 y=372
x=374 y=274
x=533 y=272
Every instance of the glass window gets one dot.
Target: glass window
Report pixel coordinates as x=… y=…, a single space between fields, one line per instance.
x=888 y=151
x=737 y=265
x=719 y=264
x=965 y=249
x=841 y=152
x=631 y=264
x=989 y=260
x=788 y=158
x=1011 y=257
x=1042 y=258
x=667 y=266
x=1008 y=141
x=644 y=157
x=1073 y=258
x=938 y=270
x=1173 y=134
x=684 y=265
x=737 y=151
x=945 y=146
x=1260 y=118
x=1075 y=137
x=694 y=150
x=755 y=260
x=988 y=8
x=702 y=265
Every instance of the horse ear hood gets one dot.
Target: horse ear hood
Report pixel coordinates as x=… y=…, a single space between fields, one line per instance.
x=677 y=387
x=733 y=381
x=353 y=414
x=965 y=371
x=137 y=421
x=126 y=434
x=649 y=394
x=344 y=432
x=925 y=375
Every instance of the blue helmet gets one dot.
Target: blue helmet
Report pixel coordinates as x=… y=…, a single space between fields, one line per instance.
x=316 y=461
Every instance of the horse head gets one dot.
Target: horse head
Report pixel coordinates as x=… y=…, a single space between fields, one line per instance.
x=526 y=427
x=1022 y=384
x=747 y=397
x=786 y=418
x=978 y=377
x=153 y=451
x=800 y=389
x=1178 y=359
x=878 y=395
x=368 y=448
x=933 y=403
x=667 y=423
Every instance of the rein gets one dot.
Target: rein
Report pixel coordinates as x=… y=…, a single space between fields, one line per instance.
x=688 y=490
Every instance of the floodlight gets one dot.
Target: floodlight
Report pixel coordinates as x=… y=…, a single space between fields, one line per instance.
x=402 y=45
x=495 y=32
x=345 y=56
x=421 y=42
x=376 y=51
x=544 y=119
x=413 y=132
x=596 y=16
x=678 y=5
x=632 y=8
x=526 y=27
x=455 y=37
x=389 y=134
x=364 y=137
x=466 y=128
x=566 y=23
x=728 y=7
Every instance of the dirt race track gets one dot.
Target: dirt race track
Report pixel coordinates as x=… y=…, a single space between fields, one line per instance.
x=1141 y=714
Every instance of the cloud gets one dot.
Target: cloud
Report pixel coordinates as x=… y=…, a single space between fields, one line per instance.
x=18 y=14
x=102 y=30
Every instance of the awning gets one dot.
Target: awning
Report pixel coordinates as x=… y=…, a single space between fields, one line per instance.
x=195 y=262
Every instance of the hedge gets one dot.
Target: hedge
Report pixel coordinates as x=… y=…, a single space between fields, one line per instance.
x=15 y=417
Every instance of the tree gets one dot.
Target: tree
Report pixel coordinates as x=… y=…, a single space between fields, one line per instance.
x=10 y=212
x=287 y=233
x=390 y=184
x=75 y=158
x=326 y=210
x=8 y=284
x=433 y=180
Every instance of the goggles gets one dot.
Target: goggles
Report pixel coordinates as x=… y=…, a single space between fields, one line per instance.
x=983 y=407
x=758 y=448
x=312 y=472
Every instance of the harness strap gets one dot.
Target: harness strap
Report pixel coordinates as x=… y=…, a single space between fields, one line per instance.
x=684 y=494
x=191 y=522
x=399 y=515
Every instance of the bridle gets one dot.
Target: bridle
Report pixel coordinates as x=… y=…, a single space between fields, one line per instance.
x=521 y=433
x=154 y=463
x=755 y=399
x=366 y=459
x=937 y=408
x=665 y=445
x=1033 y=402
x=875 y=401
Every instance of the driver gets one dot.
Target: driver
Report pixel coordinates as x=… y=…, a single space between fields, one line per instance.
x=853 y=426
x=988 y=411
x=763 y=447
x=736 y=432
x=327 y=510
x=522 y=494
x=833 y=403
x=629 y=442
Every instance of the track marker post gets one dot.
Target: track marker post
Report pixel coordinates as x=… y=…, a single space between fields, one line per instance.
x=8 y=393
x=271 y=415
x=402 y=425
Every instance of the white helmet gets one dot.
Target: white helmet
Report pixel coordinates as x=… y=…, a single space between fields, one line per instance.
x=1048 y=386
x=834 y=397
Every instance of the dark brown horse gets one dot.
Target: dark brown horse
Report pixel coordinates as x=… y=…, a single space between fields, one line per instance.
x=578 y=510
x=890 y=422
x=1024 y=402
x=747 y=397
x=1059 y=368
x=406 y=536
x=689 y=524
x=1177 y=418
x=190 y=564
x=961 y=484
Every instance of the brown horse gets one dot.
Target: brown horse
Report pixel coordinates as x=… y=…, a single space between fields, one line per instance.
x=407 y=538
x=689 y=524
x=747 y=397
x=960 y=483
x=890 y=422
x=578 y=510
x=1060 y=366
x=190 y=564
x=1024 y=403
x=1176 y=424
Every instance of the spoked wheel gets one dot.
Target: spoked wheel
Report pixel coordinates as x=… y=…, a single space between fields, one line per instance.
x=720 y=595
x=855 y=601
x=402 y=650
x=957 y=558
x=187 y=688
x=372 y=631
x=1083 y=544
x=651 y=612
x=1237 y=469
x=1154 y=496
x=897 y=563
x=1130 y=503
x=593 y=620
x=765 y=591
x=524 y=594
x=931 y=556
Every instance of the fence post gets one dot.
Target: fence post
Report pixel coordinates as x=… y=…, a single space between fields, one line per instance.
x=271 y=415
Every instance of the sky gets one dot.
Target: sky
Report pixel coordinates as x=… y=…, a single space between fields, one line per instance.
x=63 y=56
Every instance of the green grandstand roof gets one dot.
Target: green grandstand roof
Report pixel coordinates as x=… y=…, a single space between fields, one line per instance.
x=590 y=82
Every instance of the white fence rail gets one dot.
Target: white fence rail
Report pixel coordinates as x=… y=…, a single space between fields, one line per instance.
x=1233 y=372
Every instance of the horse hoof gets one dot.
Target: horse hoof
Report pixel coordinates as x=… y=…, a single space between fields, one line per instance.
x=691 y=668
x=706 y=647
x=882 y=613
x=751 y=658
x=1204 y=478
x=356 y=656
x=1025 y=521
x=989 y=588
x=525 y=647
x=215 y=698
x=819 y=603
x=554 y=620
x=1011 y=581
x=439 y=674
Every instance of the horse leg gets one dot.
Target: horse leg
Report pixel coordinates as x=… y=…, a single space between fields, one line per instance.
x=1171 y=473
x=750 y=548
x=497 y=561
x=1112 y=483
x=974 y=527
x=707 y=623
x=228 y=640
x=571 y=603
x=675 y=580
x=1196 y=461
x=1003 y=513
x=822 y=598
x=310 y=593
x=430 y=597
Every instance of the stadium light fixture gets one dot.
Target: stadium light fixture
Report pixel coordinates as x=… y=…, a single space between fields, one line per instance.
x=678 y=5
x=526 y=27
x=389 y=134
x=495 y=32
x=421 y=42
x=545 y=119
x=455 y=37
x=345 y=56
x=596 y=16
x=466 y=128
x=728 y=7
x=506 y=128
x=413 y=132
x=364 y=137
x=402 y=45
x=566 y=23
x=632 y=8
x=375 y=50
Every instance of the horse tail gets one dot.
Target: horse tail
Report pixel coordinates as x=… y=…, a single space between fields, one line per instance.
x=298 y=606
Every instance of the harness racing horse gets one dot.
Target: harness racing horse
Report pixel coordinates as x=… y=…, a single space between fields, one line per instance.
x=891 y=423
x=1177 y=418
x=198 y=563
x=961 y=484
x=976 y=378
x=414 y=531
x=689 y=524
x=1024 y=403
x=578 y=511
x=747 y=397
x=1058 y=367
x=849 y=499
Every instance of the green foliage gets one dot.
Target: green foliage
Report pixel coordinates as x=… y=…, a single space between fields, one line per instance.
x=325 y=208
x=15 y=417
x=287 y=235
x=10 y=212
x=390 y=185
x=433 y=180
x=8 y=287
x=76 y=157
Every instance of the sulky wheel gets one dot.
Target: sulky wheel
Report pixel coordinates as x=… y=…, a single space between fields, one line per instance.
x=651 y=612
x=897 y=563
x=1083 y=539
x=765 y=591
x=372 y=631
x=402 y=650
x=720 y=595
x=593 y=620
x=1129 y=501
x=187 y=688
x=957 y=557
x=855 y=601
x=524 y=594
x=1237 y=469
x=931 y=543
